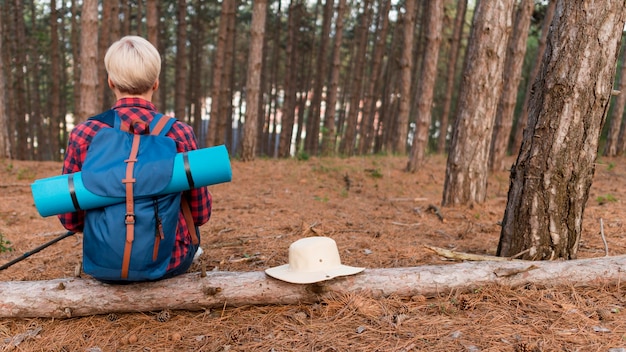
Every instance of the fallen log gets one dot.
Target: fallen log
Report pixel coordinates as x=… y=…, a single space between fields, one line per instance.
x=72 y=297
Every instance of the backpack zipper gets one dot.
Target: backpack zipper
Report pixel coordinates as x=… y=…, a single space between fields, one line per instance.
x=158 y=230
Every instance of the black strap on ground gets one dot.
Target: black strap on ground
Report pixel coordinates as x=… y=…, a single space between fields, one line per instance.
x=43 y=246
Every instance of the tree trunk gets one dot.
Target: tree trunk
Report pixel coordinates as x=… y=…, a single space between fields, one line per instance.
x=541 y=48
x=75 y=43
x=152 y=27
x=289 y=103
x=455 y=45
x=218 y=65
x=75 y=297
x=19 y=81
x=551 y=178
x=88 y=57
x=180 y=95
x=426 y=85
x=350 y=133
x=56 y=114
x=312 y=139
x=36 y=140
x=617 y=113
x=224 y=114
x=328 y=136
x=105 y=40
x=466 y=170
x=5 y=142
x=513 y=72
x=253 y=83
x=372 y=89
x=402 y=125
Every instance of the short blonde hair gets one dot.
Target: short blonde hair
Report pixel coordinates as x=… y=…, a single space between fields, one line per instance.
x=133 y=64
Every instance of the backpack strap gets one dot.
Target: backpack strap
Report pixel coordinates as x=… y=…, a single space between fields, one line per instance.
x=129 y=219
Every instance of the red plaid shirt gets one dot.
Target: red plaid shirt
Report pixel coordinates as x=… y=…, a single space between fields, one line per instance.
x=129 y=109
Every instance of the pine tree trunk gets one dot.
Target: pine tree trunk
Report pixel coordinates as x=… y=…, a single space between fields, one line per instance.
x=104 y=93
x=152 y=27
x=328 y=135
x=541 y=48
x=5 y=142
x=224 y=115
x=406 y=69
x=19 y=81
x=218 y=66
x=372 y=89
x=253 y=83
x=426 y=85
x=455 y=45
x=88 y=56
x=466 y=169
x=512 y=75
x=552 y=175
x=313 y=123
x=617 y=113
x=75 y=42
x=348 y=141
x=180 y=95
x=56 y=114
x=289 y=103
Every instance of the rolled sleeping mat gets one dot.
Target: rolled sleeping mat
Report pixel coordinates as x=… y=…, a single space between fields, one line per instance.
x=196 y=168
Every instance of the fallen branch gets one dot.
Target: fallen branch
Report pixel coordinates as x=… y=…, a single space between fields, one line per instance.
x=72 y=297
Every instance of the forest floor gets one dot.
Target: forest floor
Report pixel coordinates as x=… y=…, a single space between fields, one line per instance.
x=379 y=216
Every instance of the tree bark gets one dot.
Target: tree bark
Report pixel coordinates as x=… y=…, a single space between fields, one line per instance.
x=5 y=142
x=402 y=125
x=611 y=148
x=152 y=27
x=350 y=133
x=253 y=83
x=552 y=176
x=180 y=95
x=218 y=65
x=455 y=45
x=372 y=90
x=467 y=165
x=512 y=74
x=88 y=56
x=289 y=103
x=19 y=81
x=426 y=85
x=522 y=120
x=330 y=128
x=56 y=114
x=74 y=297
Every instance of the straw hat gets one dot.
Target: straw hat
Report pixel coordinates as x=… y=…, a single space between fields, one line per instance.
x=312 y=259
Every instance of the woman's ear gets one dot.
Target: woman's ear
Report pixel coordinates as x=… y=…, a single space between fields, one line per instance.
x=111 y=84
x=155 y=86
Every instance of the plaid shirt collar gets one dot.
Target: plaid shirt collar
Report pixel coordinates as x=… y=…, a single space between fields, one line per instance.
x=134 y=102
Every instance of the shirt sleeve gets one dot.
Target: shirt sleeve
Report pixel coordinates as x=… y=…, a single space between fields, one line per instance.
x=74 y=157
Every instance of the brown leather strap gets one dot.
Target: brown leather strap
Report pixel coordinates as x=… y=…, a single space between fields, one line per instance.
x=159 y=126
x=184 y=204
x=130 y=205
x=195 y=236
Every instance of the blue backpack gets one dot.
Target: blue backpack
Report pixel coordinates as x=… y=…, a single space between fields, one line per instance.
x=134 y=239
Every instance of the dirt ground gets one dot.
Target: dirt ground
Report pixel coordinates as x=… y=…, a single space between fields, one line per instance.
x=380 y=218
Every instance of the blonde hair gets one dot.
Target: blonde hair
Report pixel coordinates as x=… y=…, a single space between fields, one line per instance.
x=133 y=64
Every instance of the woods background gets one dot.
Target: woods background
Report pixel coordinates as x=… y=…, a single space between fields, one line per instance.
x=336 y=77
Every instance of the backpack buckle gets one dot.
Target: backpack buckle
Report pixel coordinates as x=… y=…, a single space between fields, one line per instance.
x=129 y=219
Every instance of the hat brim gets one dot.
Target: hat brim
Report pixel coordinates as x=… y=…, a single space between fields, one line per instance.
x=284 y=273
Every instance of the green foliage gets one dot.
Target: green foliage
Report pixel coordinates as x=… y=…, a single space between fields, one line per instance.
x=607 y=198
x=5 y=245
x=375 y=173
x=611 y=166
x=302 y=156
x=321 y=199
